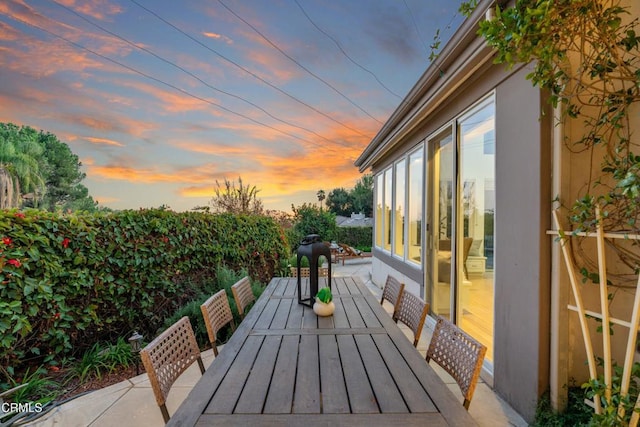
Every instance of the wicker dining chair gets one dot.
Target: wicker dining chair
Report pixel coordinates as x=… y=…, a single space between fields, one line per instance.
x=392 y=291
x=242 y=294
x=217 y=313
x=167 y=357
x=458 y=354
x=411 y=311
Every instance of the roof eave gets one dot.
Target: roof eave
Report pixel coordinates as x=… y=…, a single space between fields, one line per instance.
x=431 y=83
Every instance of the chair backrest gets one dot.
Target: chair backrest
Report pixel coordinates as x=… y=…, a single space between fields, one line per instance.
x=243 y=294
x=306 y=271
x=167 y=357
x=348 y=250
x=391 y=292
x=411 y=311
x=216 y=313
x=458 y=354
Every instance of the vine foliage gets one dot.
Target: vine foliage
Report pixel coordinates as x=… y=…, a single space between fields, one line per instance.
x=586 y=55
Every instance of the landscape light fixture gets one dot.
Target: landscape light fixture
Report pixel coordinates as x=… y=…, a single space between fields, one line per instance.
x=135 y=341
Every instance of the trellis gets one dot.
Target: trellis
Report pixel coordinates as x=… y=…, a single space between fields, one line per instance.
x=604 y=315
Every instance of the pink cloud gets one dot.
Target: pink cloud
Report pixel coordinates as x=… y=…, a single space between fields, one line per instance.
x=171 y=100
x=217 y=36
x=98 y=9
x=103 y=141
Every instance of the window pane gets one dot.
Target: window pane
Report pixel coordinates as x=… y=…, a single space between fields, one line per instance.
x=477 y=206
x=416 y=172
x=443 y=196
x=378 y=220
x=399 y=199
x=388 y=187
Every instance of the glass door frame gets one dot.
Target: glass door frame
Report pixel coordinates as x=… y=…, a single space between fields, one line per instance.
x=432 y=145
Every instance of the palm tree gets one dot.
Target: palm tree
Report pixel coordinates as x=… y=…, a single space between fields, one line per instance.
x=22 y=155
x=321 y=197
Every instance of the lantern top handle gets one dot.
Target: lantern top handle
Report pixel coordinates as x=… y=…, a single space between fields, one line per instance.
x=311 y=238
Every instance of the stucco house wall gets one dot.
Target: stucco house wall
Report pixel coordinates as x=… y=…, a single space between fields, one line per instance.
x=537 y=342
x=520 y=371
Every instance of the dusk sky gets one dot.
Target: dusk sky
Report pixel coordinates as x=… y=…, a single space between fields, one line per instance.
x=161 y=98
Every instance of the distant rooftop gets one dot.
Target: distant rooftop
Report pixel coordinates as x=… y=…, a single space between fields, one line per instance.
x=356 y=220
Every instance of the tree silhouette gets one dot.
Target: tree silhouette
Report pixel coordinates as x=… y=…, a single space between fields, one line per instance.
x=321 y=197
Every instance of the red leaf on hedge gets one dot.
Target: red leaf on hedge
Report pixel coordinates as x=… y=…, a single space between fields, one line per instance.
x=14 y=262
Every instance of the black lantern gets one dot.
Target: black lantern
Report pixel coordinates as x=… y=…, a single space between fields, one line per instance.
x=135 y=341
x=313 y=248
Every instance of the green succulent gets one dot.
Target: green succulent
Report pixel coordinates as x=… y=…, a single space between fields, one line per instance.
x=324 y=295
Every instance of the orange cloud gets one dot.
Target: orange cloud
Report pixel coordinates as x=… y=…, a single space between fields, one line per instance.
x=98 y=9
x=124 y=173
x=217 y=36
x=8 y=33
x=212 y=149
x=198 y=192
x=172 y=101
x=152 y=175
x=275 y=174
x=103 y=141
x=38 y=58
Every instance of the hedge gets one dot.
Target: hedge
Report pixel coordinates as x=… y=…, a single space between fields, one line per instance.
x=355 y=236
x=68 y=281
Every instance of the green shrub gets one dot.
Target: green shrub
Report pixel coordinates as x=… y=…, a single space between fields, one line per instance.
x=193 y=312
x=103 y=358
x=91 y=364
x=576 y=414
x=359 y=237
x=293 y=261
x=225 y=278
x=118 y=355
x=309 y=219
x=68 y=281
x=39 y=389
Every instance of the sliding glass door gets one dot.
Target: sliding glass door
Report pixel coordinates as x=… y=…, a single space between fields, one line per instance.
x=440 y=226
x=476 y=223
x=459 y=273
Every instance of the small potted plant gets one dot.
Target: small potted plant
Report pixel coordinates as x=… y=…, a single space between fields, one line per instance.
x=324 y=305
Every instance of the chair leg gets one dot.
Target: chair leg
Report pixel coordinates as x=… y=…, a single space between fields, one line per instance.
x=165 y=413
x=215 y=350
x=201 y=364
x=466 y=404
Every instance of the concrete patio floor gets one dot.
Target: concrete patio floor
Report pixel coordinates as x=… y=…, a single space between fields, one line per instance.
x=132 y=403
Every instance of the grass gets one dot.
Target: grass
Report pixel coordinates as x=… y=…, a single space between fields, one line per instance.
x=100 y=359
x=40 y=388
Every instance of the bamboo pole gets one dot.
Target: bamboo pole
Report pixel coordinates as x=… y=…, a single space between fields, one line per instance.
x=636 y=415
x=604 y=308
x=597 y=315
x=631 y=346
x=624 y=236
x=581 y=311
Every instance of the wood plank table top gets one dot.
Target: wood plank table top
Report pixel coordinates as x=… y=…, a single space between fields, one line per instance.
x=286 y=366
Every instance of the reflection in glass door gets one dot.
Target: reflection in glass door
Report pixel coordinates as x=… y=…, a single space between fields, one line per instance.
x=440 y=231
x=476 y=224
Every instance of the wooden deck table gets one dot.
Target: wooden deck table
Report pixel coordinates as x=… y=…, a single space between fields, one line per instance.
x=286 y=366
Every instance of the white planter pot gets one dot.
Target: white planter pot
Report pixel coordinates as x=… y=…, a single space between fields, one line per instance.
x=322 y=309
